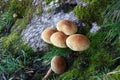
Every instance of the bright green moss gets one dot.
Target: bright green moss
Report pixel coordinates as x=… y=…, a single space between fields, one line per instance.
x=19 y=7
x=29 y=11
x=101 y=58
x=39 y=10
x=13 y=43
x=93 y=12
x=24 y=10
x=20 y=24
x=71 y=74
x=9 y=40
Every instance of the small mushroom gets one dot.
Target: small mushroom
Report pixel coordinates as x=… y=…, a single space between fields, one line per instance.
x=15 y=15
x=67 y=27
x=46 y=34
x=58 y=66
x=78 y=42
x=58 y=39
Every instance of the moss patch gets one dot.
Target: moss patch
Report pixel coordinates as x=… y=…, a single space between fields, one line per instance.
x=39 y=10
x=71 y=74
x=114 y=75
x=47 y=1
x=20 y=24
x=93 y=12
x=9 y=40
x=19 y=7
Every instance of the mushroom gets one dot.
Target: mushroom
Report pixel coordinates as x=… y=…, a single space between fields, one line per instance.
x=58 y=39
x=67 y=27
x=46 y=34
x=58 y=66
x=78 y=42
x=15 y=15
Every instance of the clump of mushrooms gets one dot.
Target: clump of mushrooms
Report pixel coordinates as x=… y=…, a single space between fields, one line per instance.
x=64 y=36
x=58 y=66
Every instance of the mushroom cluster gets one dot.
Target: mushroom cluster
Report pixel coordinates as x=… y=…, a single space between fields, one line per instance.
x=65 y=36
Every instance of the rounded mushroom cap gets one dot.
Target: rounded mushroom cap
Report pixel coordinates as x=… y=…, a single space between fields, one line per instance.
x=58 y=64
x=67 y=27
x=46 y=34
x=15 y=15
x=58 y=39
x=78 y=42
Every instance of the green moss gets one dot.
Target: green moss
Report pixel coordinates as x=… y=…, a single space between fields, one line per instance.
x=88 y=63
x=19 y=7
x=71 y=74
x=93 y=60
x=39 y=10
x=13 y=43
x=92 y=12
x=29 y=11
x=9 y=40
x=99 y=55
x=20 y=24
x=114 y=75
x=98 y=60
x=47 y=1
x=48 y=10
x=23 y=8
x=101 y=59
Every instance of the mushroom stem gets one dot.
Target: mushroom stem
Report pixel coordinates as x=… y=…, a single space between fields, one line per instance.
x=47 y=75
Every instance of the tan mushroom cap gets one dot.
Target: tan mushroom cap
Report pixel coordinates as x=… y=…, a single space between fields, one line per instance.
x=58 y=64
x=15 y=15
x=58 y=39
x=46 y=34
x=67 y=27
x=78 y=42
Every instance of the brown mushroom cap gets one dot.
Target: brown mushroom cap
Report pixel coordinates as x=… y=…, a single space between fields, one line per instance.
x=46 y=34
x=78 y=42
x=58 y=64
x=67 y=27
x=58 y=39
